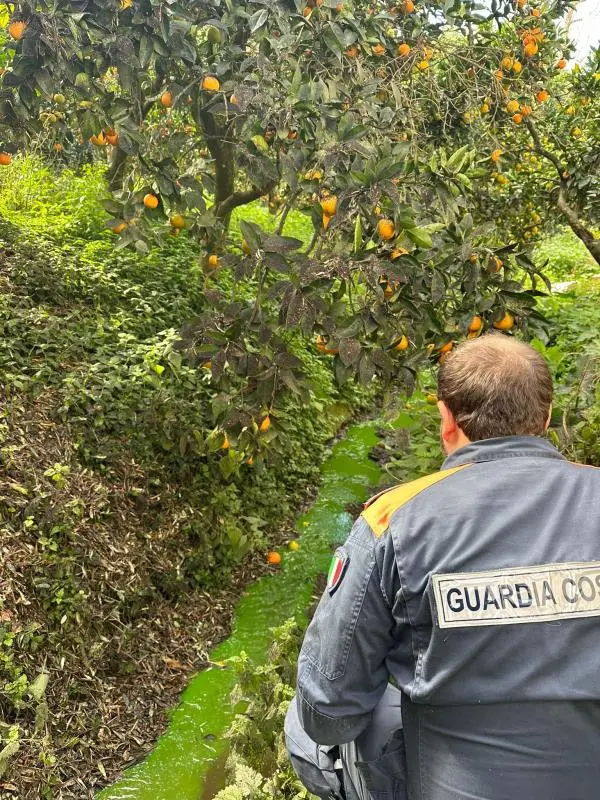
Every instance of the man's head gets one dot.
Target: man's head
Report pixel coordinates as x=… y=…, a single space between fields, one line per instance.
x=493 y=386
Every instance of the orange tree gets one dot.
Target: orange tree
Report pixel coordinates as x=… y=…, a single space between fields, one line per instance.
x=352 y=112
x=535 y=124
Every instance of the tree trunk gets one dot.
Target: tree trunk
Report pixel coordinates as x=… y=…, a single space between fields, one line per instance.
x=116 y=169
x=578 y=228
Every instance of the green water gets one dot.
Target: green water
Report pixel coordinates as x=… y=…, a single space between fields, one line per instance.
x=177 y=767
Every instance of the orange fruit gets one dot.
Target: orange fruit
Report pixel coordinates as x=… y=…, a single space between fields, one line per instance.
x=445 y=348
x=151 y=200
x=518 y=119
x=506 y=323
x=378 y=49
x=562 y=63
x=517 y=67
x=210 y=84
x=351 y=51
x=485 y=108
x=512 y=106
x=307 y=12
x=507 y=62
x=474 y=258
x=17 y=28
x=265 y=424
x=225 y=445
x=542 y=96
x=178 y=221
x=423 y=65
x=401 y=344
x=273 y=557
x=499 y=74
x=408 y=6
x=166 y=99
x=326 y=221
x=329 y=205
x=497 y=264
x=118 y=229
x=526 y=110
x=213 y=261
x=292 y=135
x=530 y=49
x=576 y=133
x=294 y=545
x=570 y=110
x=98 y=140
x=111 y=136
x=536 y=12
x=403 y=49
x=58 y=147
x=476 y=324
x=233 y=100
x=5 y=159
x=496 y=156
x=386 y=229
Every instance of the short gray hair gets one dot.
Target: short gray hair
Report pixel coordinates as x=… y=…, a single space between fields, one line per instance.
x=496 y=385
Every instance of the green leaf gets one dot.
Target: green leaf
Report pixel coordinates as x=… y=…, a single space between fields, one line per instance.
x=420 y=237
x=37 y=688
x=357 y=234
x=146 y=50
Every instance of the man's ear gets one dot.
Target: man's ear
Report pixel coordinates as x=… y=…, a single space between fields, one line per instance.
x=448 y=426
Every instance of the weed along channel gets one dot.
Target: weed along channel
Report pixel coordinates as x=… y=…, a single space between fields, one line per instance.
x=178 y=767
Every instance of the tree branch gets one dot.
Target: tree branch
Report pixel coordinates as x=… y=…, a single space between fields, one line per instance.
x=554 y=159
x=242 y=198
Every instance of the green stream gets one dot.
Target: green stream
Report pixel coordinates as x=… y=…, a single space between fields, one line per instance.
x=178 y=766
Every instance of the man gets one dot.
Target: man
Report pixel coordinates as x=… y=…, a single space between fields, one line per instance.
x=477 y=591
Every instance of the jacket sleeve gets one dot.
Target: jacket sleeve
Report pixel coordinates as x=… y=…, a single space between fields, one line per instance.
x=342 y=671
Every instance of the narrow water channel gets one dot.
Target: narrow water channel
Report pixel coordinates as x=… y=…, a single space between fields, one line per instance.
x=177 y=768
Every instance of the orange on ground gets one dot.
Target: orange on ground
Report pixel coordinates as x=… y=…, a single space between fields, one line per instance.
x=294 y=545
x=329 y=205
x=265 y=424
x=178 y=221
x=403 y=49
x=210 y=84
x=401 y=344
x=17 y=28
x=5 y=159
x=506 y=323
x=151 y=200
x=386 y=229
x=476 y=324
x=213 y=261
x=273 y=557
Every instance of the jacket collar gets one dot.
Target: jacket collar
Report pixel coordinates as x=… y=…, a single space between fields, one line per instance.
x=503 y=447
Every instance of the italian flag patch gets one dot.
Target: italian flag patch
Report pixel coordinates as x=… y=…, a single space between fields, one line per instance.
x=337 y=569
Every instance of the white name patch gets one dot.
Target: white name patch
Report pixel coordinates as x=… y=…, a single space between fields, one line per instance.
x=517 y=595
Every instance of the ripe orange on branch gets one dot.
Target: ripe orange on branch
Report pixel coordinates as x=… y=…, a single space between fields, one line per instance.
x=401 y=344
x=476 y=324
x=386 y=229
x=506 y=323
x=166 y=99
x=178 y=221
x=329 y=205
x=265 y=424
x=210 y=84
x=17 y=28
x=531 y=49
x=403 y=49
x=512 y=106
x=5 y=159
x=151 y=200
x=378 y=49
x=542 y=96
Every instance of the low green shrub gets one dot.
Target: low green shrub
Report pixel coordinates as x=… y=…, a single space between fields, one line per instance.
x=563 y=257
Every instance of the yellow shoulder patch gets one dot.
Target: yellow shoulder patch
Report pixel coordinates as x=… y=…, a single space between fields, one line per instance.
x=378 y=513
